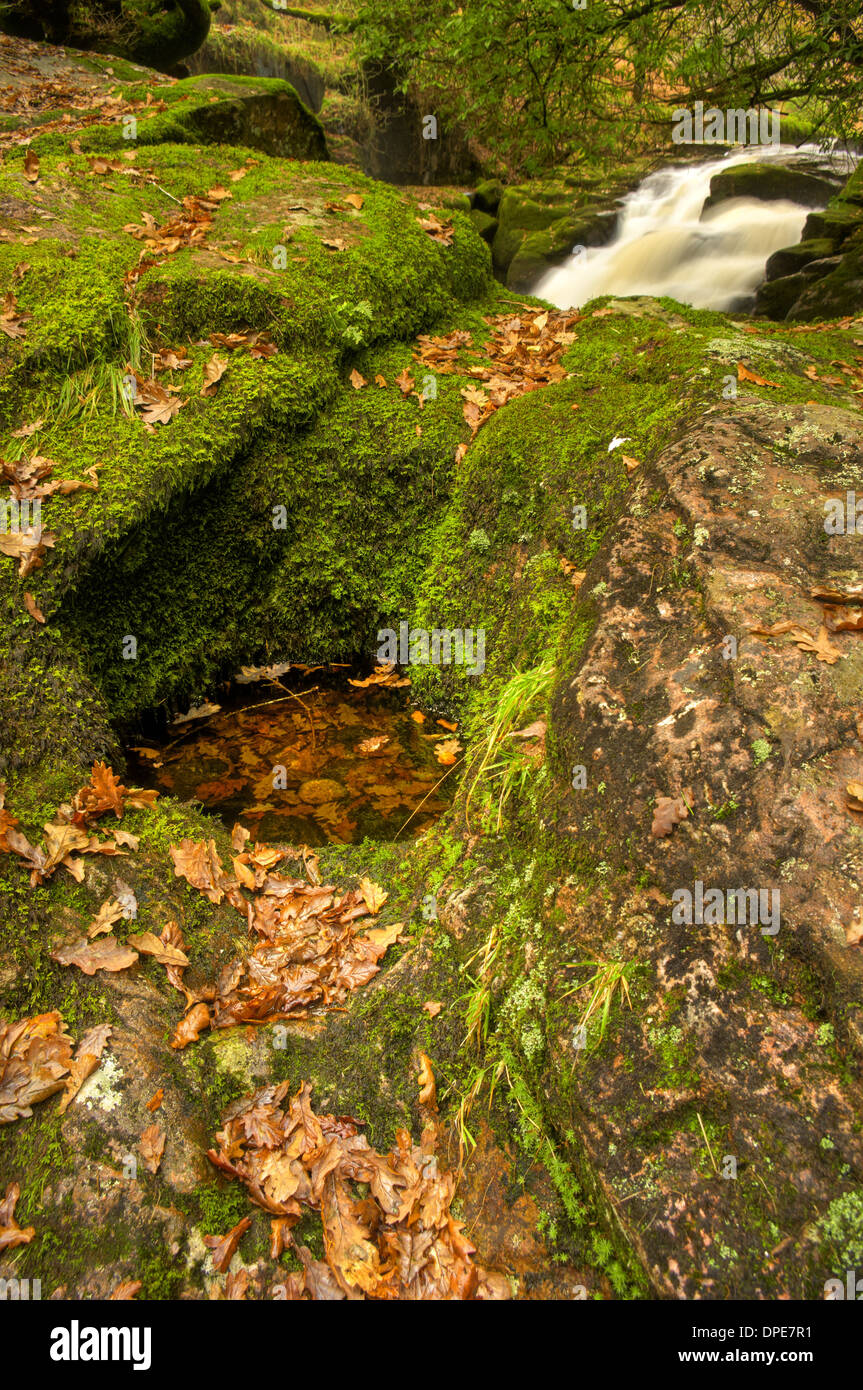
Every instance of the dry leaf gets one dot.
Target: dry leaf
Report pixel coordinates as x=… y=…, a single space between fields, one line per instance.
x=191 y=1026
x=90 y=956
x=373 y=896
x=11 y=1234
x=150 y=945
x=125 y=1290
x=432 y=1008
x=33 y=608
x=35 y=1057
x=669 y=811
x=357 y=381
x=85 y=1061
x=355 y=200
x=425 y=1077
x=110 y=912
x=223 y=1247
x=31 y=166
x=373 y=745
x=152 y=1147
x=447 y=751
x=744 y=374
x=214 y=370
x=156 y=1100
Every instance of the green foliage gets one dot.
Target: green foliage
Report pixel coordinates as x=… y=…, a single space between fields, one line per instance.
x=494 y=760
x=538 y=82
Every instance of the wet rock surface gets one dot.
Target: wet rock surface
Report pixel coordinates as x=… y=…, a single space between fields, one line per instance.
x=731 y=1055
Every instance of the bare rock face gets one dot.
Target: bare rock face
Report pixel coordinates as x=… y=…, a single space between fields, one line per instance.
x=723 y=1115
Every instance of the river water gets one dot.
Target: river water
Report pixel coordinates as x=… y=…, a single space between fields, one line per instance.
x=666 y=245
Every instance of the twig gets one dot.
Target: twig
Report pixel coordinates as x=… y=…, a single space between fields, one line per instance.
x=427 y=795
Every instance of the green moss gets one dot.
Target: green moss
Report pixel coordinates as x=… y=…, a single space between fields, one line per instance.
x=841 y=1229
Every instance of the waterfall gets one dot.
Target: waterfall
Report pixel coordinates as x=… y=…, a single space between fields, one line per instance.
x=664 y=246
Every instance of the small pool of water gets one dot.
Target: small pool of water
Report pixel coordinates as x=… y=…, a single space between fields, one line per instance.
x=326 y=764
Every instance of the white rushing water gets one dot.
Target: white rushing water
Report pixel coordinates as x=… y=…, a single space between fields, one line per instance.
x=663 y=245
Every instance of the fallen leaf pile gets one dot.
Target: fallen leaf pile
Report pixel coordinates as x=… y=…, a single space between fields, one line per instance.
x=524 y=353
x=36 y=1061
x=25 y=477
x=399 y=1242
x=189 y=228
x=441 y=232
x=310 y=951
x=69 y=831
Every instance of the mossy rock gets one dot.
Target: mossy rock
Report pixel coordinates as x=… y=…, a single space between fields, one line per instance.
x=839 y=291
x=838 y=228
x=145 y=31
x=273 y=120
x=769 y=182
x=793 y=258
x=485 y=224
x=775 y=298
x=253 y=53
x=541 y=250
x=838 y=221
x=251 y=112
x=487 y=196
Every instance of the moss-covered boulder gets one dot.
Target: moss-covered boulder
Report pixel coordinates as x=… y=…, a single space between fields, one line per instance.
x=540 y=222
x=485 y=224
x=145 y=31
x=148 y=108
x=487 y=196
x=258 y=113
x=829 y=258
x=768 y=183
x=793 y=258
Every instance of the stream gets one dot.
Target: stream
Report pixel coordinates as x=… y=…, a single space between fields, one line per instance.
x=666 y=245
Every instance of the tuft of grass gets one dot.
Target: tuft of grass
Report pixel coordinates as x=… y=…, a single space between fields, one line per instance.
x=503 y=766
x=608 y=978
x=478 y=1012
